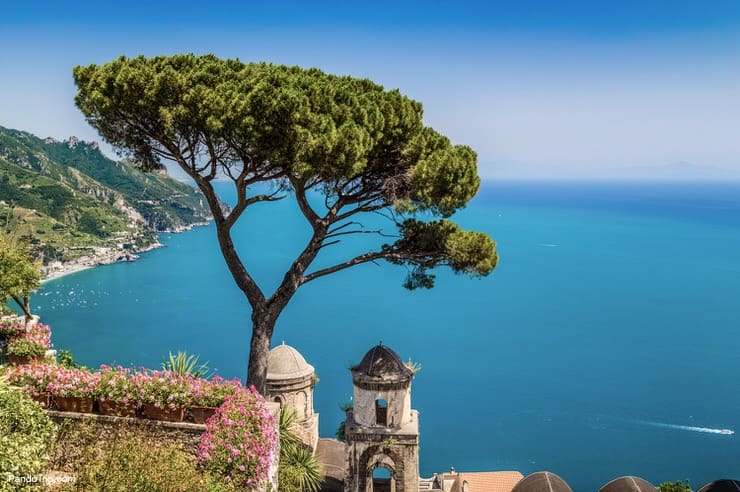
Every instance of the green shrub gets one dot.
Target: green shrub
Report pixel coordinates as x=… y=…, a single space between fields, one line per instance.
x=677 y=486
x=66 y=359
x=132 y=462
x=23 y=347
x=341 y=430
x=26 y=436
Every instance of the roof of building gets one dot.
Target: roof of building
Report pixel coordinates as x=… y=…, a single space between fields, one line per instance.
x=501 y=481
x=381 y=361
x=724 y=485
x=542 y=482
x=628 y=484
x=285 y=362
x=330 y=453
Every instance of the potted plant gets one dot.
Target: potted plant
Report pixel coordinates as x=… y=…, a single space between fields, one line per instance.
x=72 y=389
x=33 y=379
x=10 y=331
x=24 y=351
x=116 y=392
x=206 y=396
x=164 y=394
x=39 y=333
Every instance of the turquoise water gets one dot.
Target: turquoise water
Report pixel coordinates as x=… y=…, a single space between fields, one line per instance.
x=603 y=344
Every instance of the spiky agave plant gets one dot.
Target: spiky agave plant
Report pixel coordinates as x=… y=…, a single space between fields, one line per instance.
x=299 y=470
x=306 y=469
x=286 y=425
x=184 y=363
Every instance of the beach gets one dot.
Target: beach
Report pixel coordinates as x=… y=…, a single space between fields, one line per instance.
x=99 y=256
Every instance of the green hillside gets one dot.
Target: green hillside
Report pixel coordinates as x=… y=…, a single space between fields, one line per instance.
x=64 y=196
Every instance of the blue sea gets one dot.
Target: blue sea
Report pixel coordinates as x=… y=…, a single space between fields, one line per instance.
x=606 y=342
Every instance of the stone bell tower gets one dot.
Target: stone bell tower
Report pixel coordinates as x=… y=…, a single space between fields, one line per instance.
x=382 y=431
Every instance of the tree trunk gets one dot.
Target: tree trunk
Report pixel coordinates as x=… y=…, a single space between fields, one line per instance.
x=27 y=308
x=263 y=324
x=25 y=305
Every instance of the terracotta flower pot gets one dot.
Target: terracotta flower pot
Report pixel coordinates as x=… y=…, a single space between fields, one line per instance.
x=19 y=360
x=42 y=398
x=201 y=414
x=118 y=409
x=74 y=404
x=165 y=414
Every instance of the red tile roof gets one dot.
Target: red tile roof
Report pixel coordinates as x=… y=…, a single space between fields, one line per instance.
x=501 y=481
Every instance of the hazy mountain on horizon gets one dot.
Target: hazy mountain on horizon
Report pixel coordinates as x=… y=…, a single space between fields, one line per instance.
x=675 y=171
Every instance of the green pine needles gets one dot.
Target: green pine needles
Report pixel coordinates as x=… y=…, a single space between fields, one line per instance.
x=343 y=148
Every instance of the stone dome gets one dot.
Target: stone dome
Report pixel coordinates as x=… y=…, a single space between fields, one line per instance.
x=542 y=482
x=285 y=362
x=382 y=362
x=628 y=484
x=724 y=485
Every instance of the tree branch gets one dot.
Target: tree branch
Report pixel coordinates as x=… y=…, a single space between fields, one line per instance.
x=361 y=209
x=379 y=232
x=306 y=209
x=242 y=278
x=357 y=260
x=368 y=257
x=242 y=205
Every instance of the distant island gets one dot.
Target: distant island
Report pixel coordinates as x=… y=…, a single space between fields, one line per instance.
x=77 y=208
x=675 y=171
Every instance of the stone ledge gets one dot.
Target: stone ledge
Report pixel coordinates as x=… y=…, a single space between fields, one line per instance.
x=111 y=419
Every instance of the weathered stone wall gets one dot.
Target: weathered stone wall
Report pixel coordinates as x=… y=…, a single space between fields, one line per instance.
x=400 y=458
x=396 y=450
x=108 y=428
x=101 y=430
x=298 y=394
x=399 y=405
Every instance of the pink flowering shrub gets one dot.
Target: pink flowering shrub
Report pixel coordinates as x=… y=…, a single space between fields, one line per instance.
x=213 y=393
x=240 y=441
x=66 y=382
x=33 y=378
x=116 y=384
x=40 y=334
x=31 y=343
x=11 y=331
x=162 y=388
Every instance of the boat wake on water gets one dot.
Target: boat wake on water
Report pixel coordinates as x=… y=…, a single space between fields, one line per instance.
x=706 y=430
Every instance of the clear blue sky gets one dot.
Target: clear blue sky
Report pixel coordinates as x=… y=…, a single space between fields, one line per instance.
x=536 y=87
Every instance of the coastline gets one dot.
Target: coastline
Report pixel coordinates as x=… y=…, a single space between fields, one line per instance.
x=63 y=272
x=88 y=262
x=104 y=256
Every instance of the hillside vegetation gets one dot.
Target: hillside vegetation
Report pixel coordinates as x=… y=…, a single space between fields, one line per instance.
x=67 y=199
